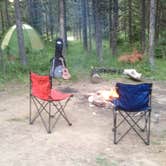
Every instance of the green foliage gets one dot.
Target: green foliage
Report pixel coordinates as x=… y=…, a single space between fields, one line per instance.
x=78 y=60
x=160 y=49
x=79 y=63
x=101 y=160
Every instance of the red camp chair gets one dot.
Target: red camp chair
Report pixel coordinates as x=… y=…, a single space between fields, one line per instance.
x=47 y=103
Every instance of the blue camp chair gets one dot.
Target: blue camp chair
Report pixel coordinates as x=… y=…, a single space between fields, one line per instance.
x=134 y=108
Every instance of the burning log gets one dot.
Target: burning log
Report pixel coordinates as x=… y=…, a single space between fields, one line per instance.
x=102 y=97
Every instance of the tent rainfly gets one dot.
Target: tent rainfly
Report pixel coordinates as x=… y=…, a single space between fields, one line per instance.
x=34 y=38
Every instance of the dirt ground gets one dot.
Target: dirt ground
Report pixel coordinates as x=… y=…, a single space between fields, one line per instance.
x=88 y=142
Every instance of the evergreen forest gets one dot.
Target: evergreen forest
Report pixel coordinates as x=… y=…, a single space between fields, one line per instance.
x=95 y=34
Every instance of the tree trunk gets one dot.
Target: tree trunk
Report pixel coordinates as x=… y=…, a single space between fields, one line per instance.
x=30 y=12
x=84 y=24
x=46 y=26
x=148 y=16
x=65 y=24
x=98 y=33
x=51 y=18
x=130 y=21
x=89 y=26
x=35 y=14
x=1 y=61
x=152 y=33
x=20 y=36
x=2 y=23
x=143 y=27
x=114 y=27
x=157 y=24
x=110 y=21
x=7 y=13
x=62 y=23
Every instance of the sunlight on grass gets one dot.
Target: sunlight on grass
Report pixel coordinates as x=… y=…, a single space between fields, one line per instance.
x=70 y=38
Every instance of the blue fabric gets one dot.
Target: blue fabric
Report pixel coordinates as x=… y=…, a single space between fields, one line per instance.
x=133 y=98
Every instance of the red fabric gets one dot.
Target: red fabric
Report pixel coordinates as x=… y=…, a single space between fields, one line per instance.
x=41 y=88
x=57 y=95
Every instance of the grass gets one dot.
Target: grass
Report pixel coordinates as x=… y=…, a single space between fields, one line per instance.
x=78 y=60
x=103 y=161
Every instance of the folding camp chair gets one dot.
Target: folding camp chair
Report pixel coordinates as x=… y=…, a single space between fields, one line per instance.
x=134 y=108
x=47 y=103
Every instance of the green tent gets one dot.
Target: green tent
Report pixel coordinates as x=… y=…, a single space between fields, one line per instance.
x=31 y=37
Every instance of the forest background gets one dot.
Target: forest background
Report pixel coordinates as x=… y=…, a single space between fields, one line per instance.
x=101 y=31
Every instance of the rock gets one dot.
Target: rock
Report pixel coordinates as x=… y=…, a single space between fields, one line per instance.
x=95 y=78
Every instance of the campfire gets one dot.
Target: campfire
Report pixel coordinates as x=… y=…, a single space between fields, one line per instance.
x=102 y=97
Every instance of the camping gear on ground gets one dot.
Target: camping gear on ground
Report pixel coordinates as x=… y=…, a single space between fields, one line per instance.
x=58 y=67
x=45 y=101
x=58 y=47
x=133 y=107
x=105 y=70
x=56 y=70
x=133 y=74
x=34 y=40
x=65 y=72
x=95 y=73
x=96 y=77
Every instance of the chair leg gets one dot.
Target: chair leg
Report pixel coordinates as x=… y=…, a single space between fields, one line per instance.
x=114 y=126
x=30 y=109
x=65 y=117
x=147 y=127
x=148 y=130
x=45 y=108
x=49 y=119
x=61 y=111
x=145 y=138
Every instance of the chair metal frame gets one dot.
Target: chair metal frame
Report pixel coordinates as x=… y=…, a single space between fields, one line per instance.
x=134 y=120
x=52 y=109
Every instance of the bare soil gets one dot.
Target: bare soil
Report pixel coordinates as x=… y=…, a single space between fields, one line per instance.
x=88 y=142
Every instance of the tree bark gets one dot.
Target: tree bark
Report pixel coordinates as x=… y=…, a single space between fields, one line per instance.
x=65 y=24
x=2 y=23
x=7 y=13
x=20 y=36
x=51 y=18
x=98 y=32
x=89 y=25
x=114 y=27
x=157 y=22
x=130 y=21
x=143 y=27
x=62 y=23
x=84 y=24
x=1 y=61
x=110 y=21
x=152 y=32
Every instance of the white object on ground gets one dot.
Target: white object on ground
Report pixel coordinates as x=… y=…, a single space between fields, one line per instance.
x=132 y=73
